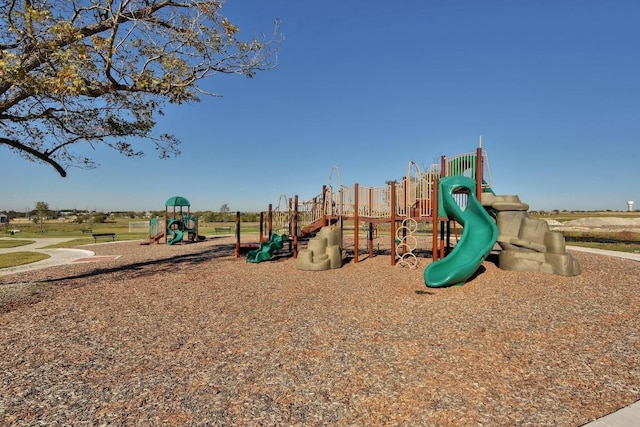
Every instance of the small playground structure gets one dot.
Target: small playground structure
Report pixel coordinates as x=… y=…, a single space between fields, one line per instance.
x=457 y=192
x=178 y=226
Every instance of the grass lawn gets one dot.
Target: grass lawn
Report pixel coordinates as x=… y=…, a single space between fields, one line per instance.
x=620 y=241
x=14 y=259
x=14 y=243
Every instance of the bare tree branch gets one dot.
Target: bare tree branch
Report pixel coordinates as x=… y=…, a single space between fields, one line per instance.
x=97 y=72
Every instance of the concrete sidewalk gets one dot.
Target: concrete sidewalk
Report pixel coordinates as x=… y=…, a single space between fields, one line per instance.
x=57 y=256
x=628 y=416
x=626 y=255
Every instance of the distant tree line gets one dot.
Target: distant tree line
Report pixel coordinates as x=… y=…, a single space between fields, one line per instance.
x=84 y=216
x=565 y=211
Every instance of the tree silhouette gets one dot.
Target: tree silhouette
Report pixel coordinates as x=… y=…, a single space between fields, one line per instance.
x=80 y=73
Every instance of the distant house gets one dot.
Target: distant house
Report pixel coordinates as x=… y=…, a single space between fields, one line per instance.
x=4 y=219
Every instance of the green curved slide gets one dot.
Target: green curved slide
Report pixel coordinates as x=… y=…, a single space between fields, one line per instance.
x=267 y=249
x=479 y=235
x=175 y=233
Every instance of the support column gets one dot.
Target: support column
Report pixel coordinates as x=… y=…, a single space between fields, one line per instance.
x=295 y=227
x=238 y=232
x=324 y=206
x=270 y=221
x=370 y=228
x=356 y=222
x=393 y=219
x=434 y=219
x=479 y=171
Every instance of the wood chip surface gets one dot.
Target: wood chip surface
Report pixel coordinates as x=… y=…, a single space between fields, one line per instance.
x=190 y=335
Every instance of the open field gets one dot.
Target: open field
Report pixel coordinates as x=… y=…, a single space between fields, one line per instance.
x=119 y=226
x=593 y=229
x=191 y=335
x=620 y=237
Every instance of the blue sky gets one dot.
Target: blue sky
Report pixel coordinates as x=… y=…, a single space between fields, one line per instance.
x=552 y=86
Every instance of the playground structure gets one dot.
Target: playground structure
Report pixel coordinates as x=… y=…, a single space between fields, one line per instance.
x=432 y=197
x=178 y=226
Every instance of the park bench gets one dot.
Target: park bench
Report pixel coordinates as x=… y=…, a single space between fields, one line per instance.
x=222 y=230
x=87 y=231
x=96 y=236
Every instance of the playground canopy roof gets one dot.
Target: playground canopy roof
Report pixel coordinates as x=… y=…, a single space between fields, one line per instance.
x=177 y=201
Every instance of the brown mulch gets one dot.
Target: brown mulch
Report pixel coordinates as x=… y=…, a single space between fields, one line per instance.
x=191 y=335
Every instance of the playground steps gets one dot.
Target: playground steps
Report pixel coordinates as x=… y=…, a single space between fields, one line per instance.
x=153 y=239
x=315 y=226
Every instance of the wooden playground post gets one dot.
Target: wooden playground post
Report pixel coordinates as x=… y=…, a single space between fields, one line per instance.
x=448 y=237
x=407 y=212
x=295 y=227
x=370 y=230
x=479 y=171
x=444 y=172
x=356 y=221
x=290 y=218
x=270 y=221
x=370 y=233
x=393 y=219
x=290 y=225
x=443 y=167
x=442 y=226
x=434 y=216
x=166 y=222
x=405 y=199
x=261 y=227
x=237 y=234
x=324 y=205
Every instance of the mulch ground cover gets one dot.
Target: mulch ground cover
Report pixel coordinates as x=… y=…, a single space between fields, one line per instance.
x=191 y=335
